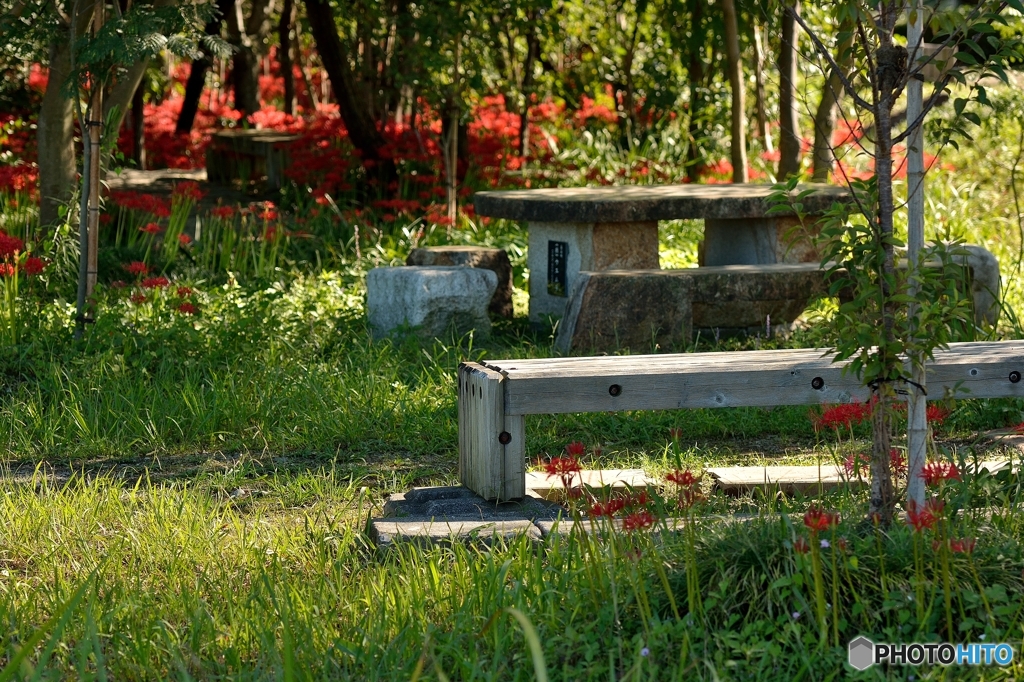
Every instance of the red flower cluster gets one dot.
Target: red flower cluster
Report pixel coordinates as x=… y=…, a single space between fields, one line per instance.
x=934 y=473
x=563 y=468
x=138 y=298
x=575 y=449
x=137 y=268
x=33 y=266
x=223 y=212
x=150 y=228
x=927 y=516
x=155 y=283
x=143 y=203
x=817 y=519
x=801 y=546
x=962 y=545
x=186 y=308
x=936 y=414
x=188 y=190
x=184 y=292
x=639 y=520
x=845 y=415
x=10 y=246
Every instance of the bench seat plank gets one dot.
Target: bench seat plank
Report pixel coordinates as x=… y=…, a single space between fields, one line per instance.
x=734 y=379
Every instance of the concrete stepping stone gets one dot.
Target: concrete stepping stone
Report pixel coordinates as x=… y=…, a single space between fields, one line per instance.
x=551 y=488
x=789 y=479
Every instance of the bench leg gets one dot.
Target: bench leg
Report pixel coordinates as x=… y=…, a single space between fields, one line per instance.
x=492 y=447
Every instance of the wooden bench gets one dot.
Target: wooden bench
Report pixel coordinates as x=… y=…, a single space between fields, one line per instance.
x=495 y=397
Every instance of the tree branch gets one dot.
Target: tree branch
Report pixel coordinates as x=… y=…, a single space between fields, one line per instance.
x=847 y=85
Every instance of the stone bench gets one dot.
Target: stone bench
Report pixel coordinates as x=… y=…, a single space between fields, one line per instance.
x=250 y=154
x=495 y=397
x=616 y=228
x=495 y=260
x=647 y=310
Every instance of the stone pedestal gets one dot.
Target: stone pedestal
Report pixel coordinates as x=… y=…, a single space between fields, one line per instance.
x=495 y=260
x=249 y=154
x=558 y=252
x=434 y=301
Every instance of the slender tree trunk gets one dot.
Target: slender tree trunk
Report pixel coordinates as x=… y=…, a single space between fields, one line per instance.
x=789 y=119
x=284 y=35
x=739 y=115
x=762 y=115
x=194 y=87
x=95 y=125
x=244 y=76
x=891 y=63
x=532 y=53
x=55 y=137
x=695 y=76
x=359 y=123
x=139 y=128
x=828 y=108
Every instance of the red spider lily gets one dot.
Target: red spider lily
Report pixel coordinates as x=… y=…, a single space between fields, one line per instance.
x=33 y=266
x=817 y=519
x=184 y=239
x=801 y=546
x=842 y=544
x=138 y=298
x=7 y=269
x=223 y=212
x=845 y=415
x=681 y=478
x=962 y=545
x=934 y=473
x=936 y=414
x=920 y=519
x=184 y=292
x=564 y=468
x=137 y=268
x=857 y=462
x=186 y=308
x=935 y=505
x=575 y=449
x=639 y=520
x=609 y=508
x=188 y=190
x=675 y=433
x=897 y=462
x=10 y=246
x=150 y=228
x=155 y=283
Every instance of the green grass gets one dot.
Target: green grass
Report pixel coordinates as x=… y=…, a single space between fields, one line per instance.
x=203 y=484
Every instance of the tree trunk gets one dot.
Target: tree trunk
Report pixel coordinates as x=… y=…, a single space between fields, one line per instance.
x=194 y=87
x=55 y=137
x=789 y=119
x=284 y=35
x=532 y=53
x=695 y=75
x=139 y=128
x=891 y=64
x=762 y=115
x=360 y=124
x=739 y=115
x=825 y=116
x=244 y=76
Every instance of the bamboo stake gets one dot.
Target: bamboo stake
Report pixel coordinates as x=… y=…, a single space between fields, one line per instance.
x=917 y=422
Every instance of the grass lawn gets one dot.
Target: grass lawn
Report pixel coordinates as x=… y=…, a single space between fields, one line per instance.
x=186 y=489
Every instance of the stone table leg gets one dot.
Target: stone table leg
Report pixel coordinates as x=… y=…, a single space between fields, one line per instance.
x=559 y=251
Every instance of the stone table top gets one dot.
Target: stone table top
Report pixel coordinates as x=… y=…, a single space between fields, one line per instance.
x=623 y=204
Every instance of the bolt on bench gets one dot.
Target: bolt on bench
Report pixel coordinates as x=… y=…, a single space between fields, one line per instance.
x=494 y=397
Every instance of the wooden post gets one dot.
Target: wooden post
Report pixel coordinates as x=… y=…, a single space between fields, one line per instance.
x=492 y=447
x=917 y=422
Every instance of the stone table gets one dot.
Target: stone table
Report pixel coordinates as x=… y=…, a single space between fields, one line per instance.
x=249 y=154
x=607 y=228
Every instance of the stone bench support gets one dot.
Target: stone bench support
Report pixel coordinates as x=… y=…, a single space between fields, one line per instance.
x=494 y=398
